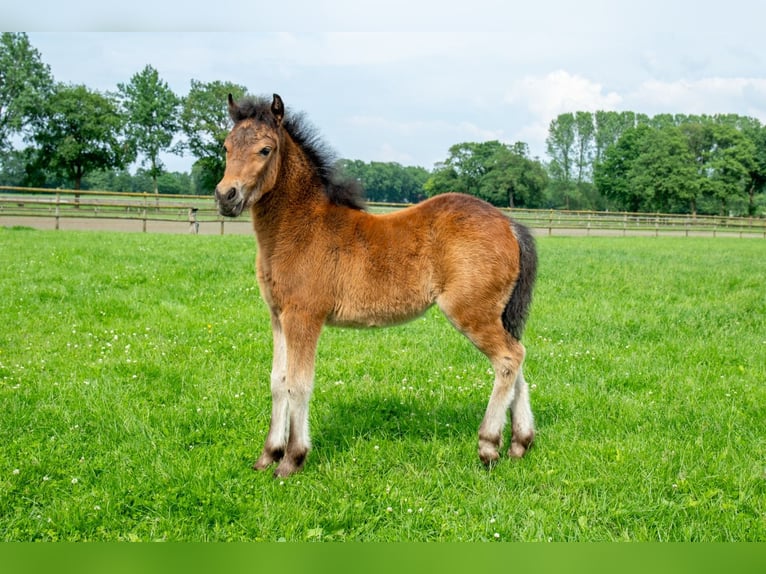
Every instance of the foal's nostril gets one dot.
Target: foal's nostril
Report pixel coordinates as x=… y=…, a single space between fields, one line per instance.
x=231 y=194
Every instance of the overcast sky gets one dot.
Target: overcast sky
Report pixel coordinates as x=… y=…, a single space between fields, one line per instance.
x=405 y=80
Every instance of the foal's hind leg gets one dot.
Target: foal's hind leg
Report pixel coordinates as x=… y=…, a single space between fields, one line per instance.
x=522 y=419
x=507 y=366
x=486 y=331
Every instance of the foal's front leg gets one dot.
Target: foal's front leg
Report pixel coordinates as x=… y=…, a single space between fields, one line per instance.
x=301 y=335
x=276 y=441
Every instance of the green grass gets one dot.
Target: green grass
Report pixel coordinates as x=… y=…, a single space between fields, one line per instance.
x=134 y=398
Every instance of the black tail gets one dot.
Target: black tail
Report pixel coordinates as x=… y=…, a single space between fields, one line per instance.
x=517 y=309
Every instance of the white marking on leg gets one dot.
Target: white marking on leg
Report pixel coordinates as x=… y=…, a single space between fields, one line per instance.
x=279 y=430
x=276 y=440
x=522 y=418
x=301 y=337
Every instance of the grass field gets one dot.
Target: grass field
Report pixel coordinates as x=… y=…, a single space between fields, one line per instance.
x=134 y=399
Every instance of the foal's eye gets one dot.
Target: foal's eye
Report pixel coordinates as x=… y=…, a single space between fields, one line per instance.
x=265 y=151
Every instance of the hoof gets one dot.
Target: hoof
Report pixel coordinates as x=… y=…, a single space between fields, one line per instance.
x=516 y=450
x=519 y=448
x=285 y=468
x=267 y=458
x=488 y=454
x=488 y=449
x=291 y=463
x=489 y=457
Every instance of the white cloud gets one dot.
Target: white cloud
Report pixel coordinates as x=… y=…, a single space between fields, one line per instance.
x=467 y=130
x=746 y=96
x=560 y=92
x=388 y=153
x=543 y=98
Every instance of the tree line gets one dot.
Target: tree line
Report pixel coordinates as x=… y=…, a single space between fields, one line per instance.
x=82 y=138
x=77 y=137
x=666 y=163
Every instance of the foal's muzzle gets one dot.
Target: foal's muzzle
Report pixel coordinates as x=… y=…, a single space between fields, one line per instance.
x=230 y=201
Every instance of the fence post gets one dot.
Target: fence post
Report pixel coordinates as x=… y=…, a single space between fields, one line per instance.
x=58 y=209
x=146 y=202
x=193 y=223
x=222 y=225
x=550 y=223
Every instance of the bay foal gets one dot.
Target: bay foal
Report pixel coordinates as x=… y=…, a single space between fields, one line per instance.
x=322 y=259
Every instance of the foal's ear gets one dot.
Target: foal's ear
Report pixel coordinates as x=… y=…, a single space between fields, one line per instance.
x=278 y=108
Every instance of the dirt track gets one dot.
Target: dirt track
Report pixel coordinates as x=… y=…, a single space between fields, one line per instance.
x=231 y=227
x=242 y=226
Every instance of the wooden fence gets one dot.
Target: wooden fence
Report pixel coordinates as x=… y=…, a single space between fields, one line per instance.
x=69 y=209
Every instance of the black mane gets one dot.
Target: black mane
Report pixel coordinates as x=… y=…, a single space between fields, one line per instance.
x=339 y=188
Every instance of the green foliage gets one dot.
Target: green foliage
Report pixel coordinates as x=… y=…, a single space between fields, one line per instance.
x=683 y=163
x=501 y=174
x=79 y=131
x=140 y=182
x=569 y=146
x=387 y=181
x=14 y=167
x=25 y=82
x=663 y=163
x=609 y=126
x=730 y=160
x=152 y=112
x=560 y=146
x=663 y=171
x=134 y=390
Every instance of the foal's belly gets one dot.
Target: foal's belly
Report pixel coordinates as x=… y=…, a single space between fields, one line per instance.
x=378 y=312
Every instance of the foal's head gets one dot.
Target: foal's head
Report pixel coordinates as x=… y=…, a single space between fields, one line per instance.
x=252 y=150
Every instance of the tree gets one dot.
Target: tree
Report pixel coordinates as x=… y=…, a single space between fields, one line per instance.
x=756 y=183
x=205 y=122
x=387 y=181
x=443 y=179
x=25 y=82
x=152 y=118
x=612 y=175
x=79 y=131
x=609 y=126
x=663 y=172
x=514 y=180
x=498 y=173
x=462 y=170
x=585 y=130
x=561 y=147
x=730 y=162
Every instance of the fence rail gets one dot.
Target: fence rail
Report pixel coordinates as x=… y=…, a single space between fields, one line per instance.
x=622 y=223
x=197 y=214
